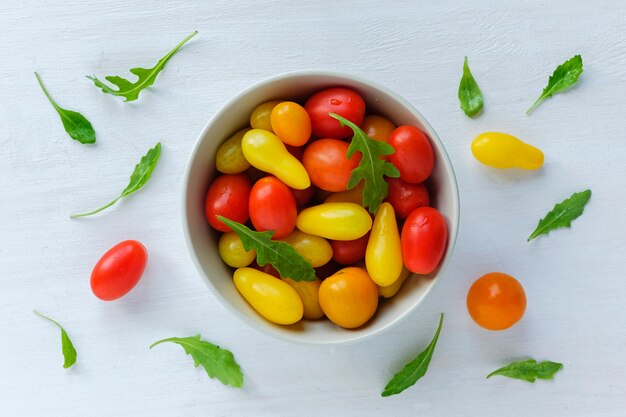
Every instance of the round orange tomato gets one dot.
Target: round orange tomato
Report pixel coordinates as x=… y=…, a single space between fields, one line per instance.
x=349 y=297
x=496 y=301
x=377 y=127
x=328 y=167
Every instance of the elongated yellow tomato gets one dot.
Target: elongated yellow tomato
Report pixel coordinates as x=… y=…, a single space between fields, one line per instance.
x=309 y=294
x=353 y=195
x=500 y=150
x=383 y=256
x=337 y=221
x=314 y=249
x=271 y=297
x=391 y=290
x=229 y=158
x=266 y=152
x=261 y=116
x=232 y=251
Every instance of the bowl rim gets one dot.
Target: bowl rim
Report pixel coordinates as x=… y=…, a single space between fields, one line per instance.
x=358 y=337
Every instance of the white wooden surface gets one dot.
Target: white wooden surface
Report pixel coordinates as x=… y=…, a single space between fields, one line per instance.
x=574 y=279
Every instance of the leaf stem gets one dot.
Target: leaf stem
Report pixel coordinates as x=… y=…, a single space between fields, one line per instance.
x=158 y=342
x=75 y=216
x=45 y=91
x=535 y=104
x=43 y=316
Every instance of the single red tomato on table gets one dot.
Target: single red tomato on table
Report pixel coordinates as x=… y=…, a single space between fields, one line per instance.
x=414 y=156
x=272 y=207
x=342 y=101
x=406 y=197
x=228 y=196
x=118 y=270
x=496 y=301
x=325 y=161
x=424 y=237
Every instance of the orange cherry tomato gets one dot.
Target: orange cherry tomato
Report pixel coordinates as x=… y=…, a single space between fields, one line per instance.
x=349 y=297
x=291 y=123
x=496 y=301
x=325 y=161
x=377 y=127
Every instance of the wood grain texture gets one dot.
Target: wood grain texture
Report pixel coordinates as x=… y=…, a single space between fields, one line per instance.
x=574 y=278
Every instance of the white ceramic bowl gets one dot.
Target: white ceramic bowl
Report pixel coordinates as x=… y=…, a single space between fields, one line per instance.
x=202 y=240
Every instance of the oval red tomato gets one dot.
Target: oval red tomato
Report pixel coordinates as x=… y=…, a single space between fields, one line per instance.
x=228 y=197
x=348 y=252
x=424 y=238
x=119 y=270
x=406 y=197
x=343 y=101
x=272 y=207
x=414 y=156
x=325 y=161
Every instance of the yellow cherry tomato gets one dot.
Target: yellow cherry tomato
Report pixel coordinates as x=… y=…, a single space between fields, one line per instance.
x=391 y=290
x=291 y=123
x=229 y=158
x=271 y=297
x=266 y=152
x=261 y=116
x=314 y=249
x=349 y=297
x=309 y=294
x=383 y=256
x=337 y=221
x=353 y=195
x=377 y=127
x=500 y=150
x=232 y=251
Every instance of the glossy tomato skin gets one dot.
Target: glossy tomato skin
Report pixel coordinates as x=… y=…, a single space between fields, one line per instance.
x=348 y=252
x=325 y=161
x=343 y=101
x=377 y=127
x=424 y=237
x=119 y=270
x=228 y=197
x=414 y=156
x=496 y=301
x=406 y=197
x=272 y=207
x=291 y=123
x=349 y=298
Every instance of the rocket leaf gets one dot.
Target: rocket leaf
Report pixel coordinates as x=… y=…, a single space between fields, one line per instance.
x=372 y=167
x=529 y=370
x=563 y=77
x=69 y=353
x=562 y=214
x=281 y=255
x=145 y=77
x=470 y=96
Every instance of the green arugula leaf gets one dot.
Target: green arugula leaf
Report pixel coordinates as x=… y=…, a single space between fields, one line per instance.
x=529 y=370
x=69 y=353
x=372 y=168
x=563 y=77
x=217 y=362
x=281 y=255
x=413 y=370
x=470 y=96
x=75 y=124
x=562 y=214
x=145 y=77
x=141 y=175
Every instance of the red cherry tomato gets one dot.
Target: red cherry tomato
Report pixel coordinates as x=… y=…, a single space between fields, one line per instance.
x=119 y=270
x=348 y=252
x=272 y=207
x=304 y=197
x=346 y=103
x=406 y=197
x=424 y=238
x=325 y=161
x=228 y=197
x=414 y=156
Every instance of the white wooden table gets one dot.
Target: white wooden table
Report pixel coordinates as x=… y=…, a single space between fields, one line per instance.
x=574 y=279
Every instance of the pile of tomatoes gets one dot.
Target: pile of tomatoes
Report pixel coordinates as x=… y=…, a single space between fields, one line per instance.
x=288 y=173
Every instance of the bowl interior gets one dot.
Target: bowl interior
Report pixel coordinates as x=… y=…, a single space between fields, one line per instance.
x=202 y=240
